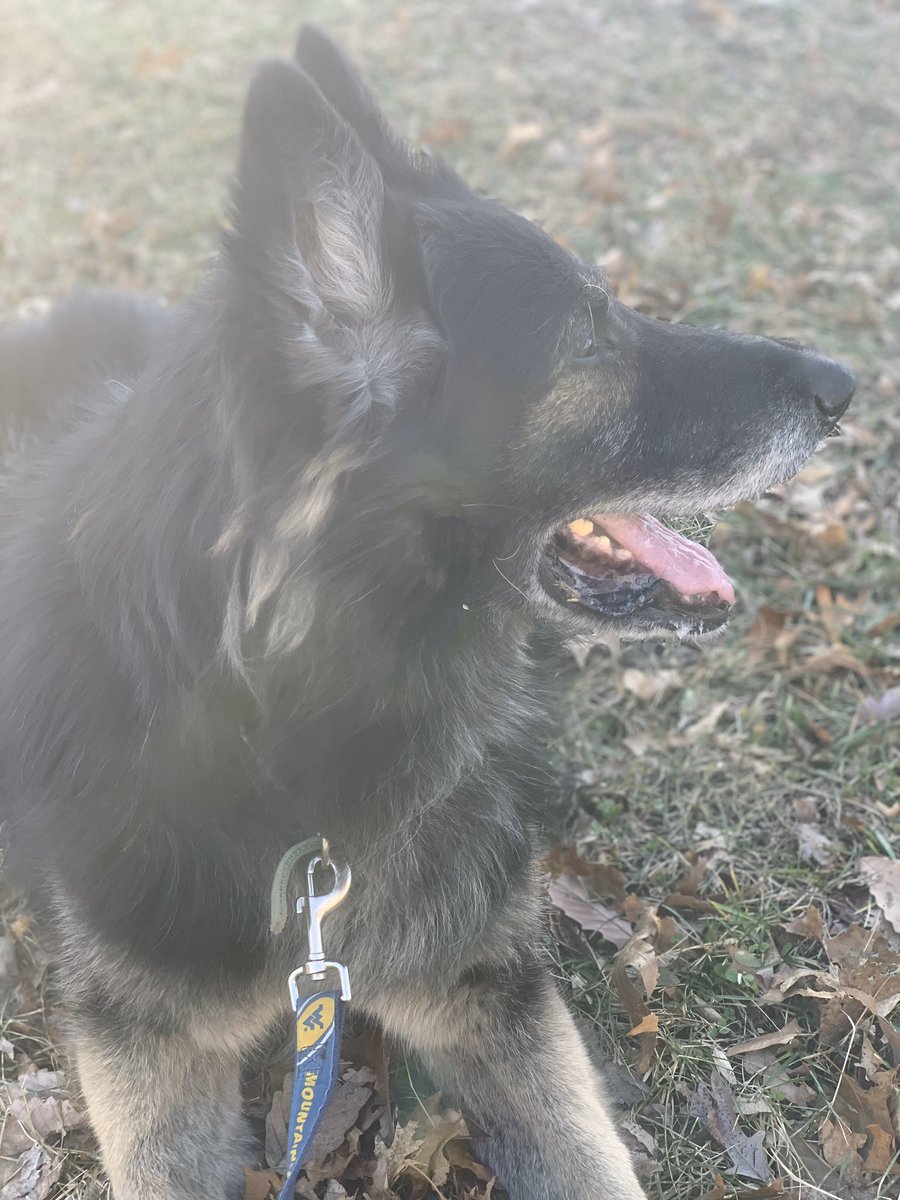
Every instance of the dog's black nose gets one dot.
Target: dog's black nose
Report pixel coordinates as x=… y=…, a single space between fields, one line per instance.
x=831 y=385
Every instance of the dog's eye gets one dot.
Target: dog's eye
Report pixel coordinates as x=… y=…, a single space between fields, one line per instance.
x=597 y=310
x=589 y=347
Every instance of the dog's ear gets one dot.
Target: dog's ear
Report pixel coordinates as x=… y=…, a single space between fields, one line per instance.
x=309 y=200
x=343 y=87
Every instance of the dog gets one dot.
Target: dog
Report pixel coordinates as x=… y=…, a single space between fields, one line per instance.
x=276 y=563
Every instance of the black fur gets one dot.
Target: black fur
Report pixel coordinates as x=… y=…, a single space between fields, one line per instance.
x=271 y=564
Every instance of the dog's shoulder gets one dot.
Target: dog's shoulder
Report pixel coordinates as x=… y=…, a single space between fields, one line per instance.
x=79 y=344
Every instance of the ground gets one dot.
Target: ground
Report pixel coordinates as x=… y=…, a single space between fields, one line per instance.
x=728 y=822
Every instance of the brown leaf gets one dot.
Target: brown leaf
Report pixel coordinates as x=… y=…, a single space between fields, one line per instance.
x=882 y=875
x=371 y=1047
x=571 y=897
x=808 y=926
x=260 y=1185
x=639 y=959
x=31 y=1176
x=650 y=1024
x=768 y=1190
x=418 y=1146
x=773 y=630
x=834 y=658
x=518 y=136
x=862 y=1107
x=353 y=1091
x=840 y=1147
x=714 y=1104
x=779 y=1037
x=717 y=1191
x=693 y=903
x=879 y=1152
x=605 y=879
x=651 y=686
x=36 y=1108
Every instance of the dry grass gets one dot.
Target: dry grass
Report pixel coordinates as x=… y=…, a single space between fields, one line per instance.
x=733 y=163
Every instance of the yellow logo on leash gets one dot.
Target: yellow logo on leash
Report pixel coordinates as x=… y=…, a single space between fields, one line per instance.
x=315 y=1021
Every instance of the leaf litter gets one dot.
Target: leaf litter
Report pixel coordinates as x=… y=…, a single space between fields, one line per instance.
x=799 y=702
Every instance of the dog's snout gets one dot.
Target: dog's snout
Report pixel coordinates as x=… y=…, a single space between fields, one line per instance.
x=830 y=385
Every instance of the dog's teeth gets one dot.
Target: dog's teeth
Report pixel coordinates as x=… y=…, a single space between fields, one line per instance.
x=620 y=554
x=582 y=527
x=604 y=544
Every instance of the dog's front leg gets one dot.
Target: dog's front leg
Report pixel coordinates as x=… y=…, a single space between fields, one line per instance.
x=167 y=1113
x=500 y=1040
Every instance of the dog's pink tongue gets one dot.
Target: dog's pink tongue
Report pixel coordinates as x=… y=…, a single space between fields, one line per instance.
x=689 y=568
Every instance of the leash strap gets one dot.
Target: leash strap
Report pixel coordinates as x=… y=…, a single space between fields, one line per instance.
x=316 y=1067
x=319 y=1017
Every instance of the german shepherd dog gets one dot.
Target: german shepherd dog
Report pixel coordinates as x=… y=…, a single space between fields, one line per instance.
x=276 y=564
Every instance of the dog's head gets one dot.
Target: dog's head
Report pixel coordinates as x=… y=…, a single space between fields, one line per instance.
x=439 y=359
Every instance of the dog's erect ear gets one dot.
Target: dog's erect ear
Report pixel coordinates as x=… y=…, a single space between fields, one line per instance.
x=342 y=86
x=309 y=200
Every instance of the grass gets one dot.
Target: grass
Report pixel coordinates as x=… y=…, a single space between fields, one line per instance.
x=730 y=163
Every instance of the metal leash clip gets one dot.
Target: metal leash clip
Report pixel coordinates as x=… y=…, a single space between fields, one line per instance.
x=317 y=906
x=318 y=1018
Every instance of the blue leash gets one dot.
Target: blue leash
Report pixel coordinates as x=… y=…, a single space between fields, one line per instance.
x=318 y=1018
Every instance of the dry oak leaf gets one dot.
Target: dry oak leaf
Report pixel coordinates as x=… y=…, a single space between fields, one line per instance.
x=714 y=1104
x=840 y=1148
x=605 y=879
x=571 y=897
x=882 y=876
x=778 y=1037
x=880 y=1153
x=650 y=1024
x=638 y=959
x=260 y=1185
x=808 y=926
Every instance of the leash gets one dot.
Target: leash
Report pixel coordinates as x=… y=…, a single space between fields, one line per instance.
x=318 y=1018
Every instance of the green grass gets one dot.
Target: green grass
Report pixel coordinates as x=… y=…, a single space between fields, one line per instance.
x=731 y=163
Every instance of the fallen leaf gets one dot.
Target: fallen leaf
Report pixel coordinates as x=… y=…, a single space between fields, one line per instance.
x=571 y=897
x=605 y=879
x=638 y=959
x=650 y=686
x=863 y=1107
x=352 y=1092
x=834 y=658
x=518 y=136
x=36 y=1108
x=879 y=1154
x=260 y=1185
x=778 y=1037
x=650 y=1024
x=31 y=1176
x=713 y=1103
x=840 y=1148
x=882 y=875
x=808 y=926
x=717 y=1191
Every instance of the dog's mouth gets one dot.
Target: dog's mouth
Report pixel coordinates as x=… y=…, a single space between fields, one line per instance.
x=619 y=567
